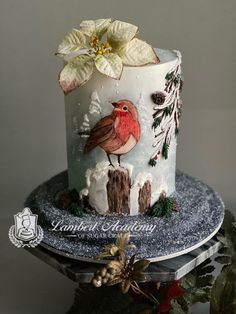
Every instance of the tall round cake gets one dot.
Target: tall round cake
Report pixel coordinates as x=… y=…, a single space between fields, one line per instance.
x=123 y=164
x=122 y=103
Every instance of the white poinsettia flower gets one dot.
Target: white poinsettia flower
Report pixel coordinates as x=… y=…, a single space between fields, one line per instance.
x=104 y=45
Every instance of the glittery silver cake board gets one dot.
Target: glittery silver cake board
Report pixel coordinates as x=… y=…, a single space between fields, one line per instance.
x=198 y=220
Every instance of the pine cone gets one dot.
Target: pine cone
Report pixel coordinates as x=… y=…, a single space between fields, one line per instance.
x=158 y=98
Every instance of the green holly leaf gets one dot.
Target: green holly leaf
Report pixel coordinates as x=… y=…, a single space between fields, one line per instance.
x=223 y=293
x=225 y=259
x=201 y=295
x=76 y=73
x=110 y=65
x=137 y=52
x=224 y=240
x=204 y=281
x=205 y=270
x=176 y=308
x=73 y=42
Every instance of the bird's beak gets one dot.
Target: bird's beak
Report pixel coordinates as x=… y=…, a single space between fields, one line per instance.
x=115 y=104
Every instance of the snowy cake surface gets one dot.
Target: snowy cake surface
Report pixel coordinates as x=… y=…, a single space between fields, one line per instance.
x=148 y=168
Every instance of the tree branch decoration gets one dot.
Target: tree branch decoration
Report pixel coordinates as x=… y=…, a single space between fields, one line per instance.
x=105 y=45
x=167 y=112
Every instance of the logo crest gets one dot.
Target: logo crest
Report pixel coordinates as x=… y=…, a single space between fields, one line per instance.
x=25 y=232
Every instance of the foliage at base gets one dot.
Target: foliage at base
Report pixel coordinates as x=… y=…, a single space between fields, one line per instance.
x=163 y=207
x=201 y=286
x=176 y=297
x=70 y=200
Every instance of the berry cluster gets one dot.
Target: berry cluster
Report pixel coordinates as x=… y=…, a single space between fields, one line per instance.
x=103 y=276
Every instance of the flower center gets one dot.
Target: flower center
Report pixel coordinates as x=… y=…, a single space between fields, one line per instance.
x=98 y=48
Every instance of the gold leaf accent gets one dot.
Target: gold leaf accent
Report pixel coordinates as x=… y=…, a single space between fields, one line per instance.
x=114 y=281
x=117 y=265
x=125 y=285
x=141 y=265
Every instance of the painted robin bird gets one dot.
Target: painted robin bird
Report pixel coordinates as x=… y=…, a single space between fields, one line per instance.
x=117 y=133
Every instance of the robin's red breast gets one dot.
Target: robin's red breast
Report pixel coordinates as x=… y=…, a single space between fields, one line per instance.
x=117 y=133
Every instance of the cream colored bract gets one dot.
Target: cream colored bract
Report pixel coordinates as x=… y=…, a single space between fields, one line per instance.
x=104 y=45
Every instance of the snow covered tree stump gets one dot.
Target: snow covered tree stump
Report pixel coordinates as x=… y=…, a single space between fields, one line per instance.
x=118 y=191
x=144 y=199
x=113 y=190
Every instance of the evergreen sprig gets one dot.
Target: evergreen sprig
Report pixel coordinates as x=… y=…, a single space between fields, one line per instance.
x=169 y=76
x=152 y=162
x=157 y=122
x=176 y=131
x=70 y=200
x=167 y=111
x=165 y=150
x=163 y=207
x=76 y=209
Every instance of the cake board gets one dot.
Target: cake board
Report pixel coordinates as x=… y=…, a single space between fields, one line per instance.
x=200 y=216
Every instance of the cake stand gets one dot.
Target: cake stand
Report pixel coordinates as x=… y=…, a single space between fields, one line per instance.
x=201 y=213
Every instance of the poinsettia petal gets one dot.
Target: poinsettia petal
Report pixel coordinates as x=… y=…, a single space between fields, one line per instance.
x=76 y=73
x=87 y=27
x=97 y=27
x=110 y=65
x=120 y=32
x=73 y=41
x=101 y=26
x=137 y=52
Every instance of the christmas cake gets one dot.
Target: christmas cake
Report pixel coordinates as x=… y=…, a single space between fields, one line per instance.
x=123 y=106
x=122 y=100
